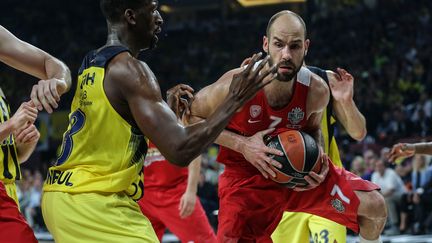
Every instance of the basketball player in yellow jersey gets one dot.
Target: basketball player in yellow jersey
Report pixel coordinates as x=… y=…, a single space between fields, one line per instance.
x=18 y=135
x=297 y=227
x=89 y=194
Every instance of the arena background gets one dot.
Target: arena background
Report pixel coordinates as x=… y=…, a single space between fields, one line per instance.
x=385 y=44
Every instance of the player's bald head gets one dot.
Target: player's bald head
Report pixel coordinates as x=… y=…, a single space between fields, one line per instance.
x=289 y=18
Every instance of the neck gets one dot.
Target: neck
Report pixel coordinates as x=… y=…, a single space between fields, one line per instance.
x=118 y=36
x=279 y=93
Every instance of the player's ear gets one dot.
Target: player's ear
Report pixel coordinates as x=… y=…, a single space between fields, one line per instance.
x=129 y=15
x=307 y=43
x=265 y=44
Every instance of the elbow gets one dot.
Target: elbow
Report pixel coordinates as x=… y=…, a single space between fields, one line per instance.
x=359 y=135
x=180 y=157
x=181 y=162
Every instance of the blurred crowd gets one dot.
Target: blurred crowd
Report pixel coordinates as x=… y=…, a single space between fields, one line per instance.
x=385 y=44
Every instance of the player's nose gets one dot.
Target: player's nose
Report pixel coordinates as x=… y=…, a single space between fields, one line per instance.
x=286 y=54
x=159 y=19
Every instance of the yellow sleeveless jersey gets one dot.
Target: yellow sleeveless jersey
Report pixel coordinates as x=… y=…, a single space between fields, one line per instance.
x=330 y=145
x=101 y=152
x=327 y=125
x=9 y=164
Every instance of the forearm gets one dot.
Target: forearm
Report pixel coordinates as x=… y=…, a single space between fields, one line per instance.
x=25 y=150
x=193 y=140
x=351 y=118
x=230 y=140
x=318 y=137
x=194 y=174
x=6 y=129
x=420 y=148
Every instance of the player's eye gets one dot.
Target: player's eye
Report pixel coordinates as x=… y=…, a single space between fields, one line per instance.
x=278 y=44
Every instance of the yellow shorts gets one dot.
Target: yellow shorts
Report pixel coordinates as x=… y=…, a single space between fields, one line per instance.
x=11 y=191
x=297 y=227
x=95 y=217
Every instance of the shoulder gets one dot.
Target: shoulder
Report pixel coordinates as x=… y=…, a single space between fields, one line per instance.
x=131 y=75
x=319 y=93
x=319 y=86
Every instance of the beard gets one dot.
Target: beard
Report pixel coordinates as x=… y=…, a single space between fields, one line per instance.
x=287 y=76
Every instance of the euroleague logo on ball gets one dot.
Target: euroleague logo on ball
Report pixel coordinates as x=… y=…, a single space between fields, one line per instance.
x=292 y=139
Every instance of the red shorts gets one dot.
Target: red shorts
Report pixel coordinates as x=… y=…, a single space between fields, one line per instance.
x=252 y=206
x=13 y=227
x=161 y=207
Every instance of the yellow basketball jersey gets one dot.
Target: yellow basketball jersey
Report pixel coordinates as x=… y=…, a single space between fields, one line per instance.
x=330 y=145
x=101 y=152
x=328 y=123
x=9 y=164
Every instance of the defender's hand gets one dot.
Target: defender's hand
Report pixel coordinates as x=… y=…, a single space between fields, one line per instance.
x=187 y=204
x=401 y=150
x=27 y=135
x=343 y=87
x=26 y=114
x=246 y=84
x=313 y=178
x=259 y=155
x=46 y=94
x=175 y=101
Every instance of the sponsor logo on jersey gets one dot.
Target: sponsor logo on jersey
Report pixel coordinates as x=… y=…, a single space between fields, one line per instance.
x=59 y=177
x=296 y=115
x=338 y=205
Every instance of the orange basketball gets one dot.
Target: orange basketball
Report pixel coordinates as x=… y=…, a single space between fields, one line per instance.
x=301 y=155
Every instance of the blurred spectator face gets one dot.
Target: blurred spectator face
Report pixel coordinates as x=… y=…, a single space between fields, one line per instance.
x=419 y=162
x=369 y=156
x=384 y=153
x=380 y=167
x=358 y=166
x=286 y=45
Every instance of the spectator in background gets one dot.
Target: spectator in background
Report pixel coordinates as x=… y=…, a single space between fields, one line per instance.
x=392 y=189
x=358 y=166
x=369 y=159
x=422 y=192
x=33 y=212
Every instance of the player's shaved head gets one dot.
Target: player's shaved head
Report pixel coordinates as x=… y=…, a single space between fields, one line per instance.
x=114 y=9
x=285 y=13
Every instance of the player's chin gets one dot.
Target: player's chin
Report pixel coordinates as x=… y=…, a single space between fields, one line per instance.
x=153 y=43
x=285 y=77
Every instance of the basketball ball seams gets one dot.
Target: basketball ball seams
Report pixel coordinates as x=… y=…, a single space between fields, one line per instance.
x=310 y=153
x=287 y=156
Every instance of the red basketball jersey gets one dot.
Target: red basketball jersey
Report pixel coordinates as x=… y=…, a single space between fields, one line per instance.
x=257 y=115
x=158 y=172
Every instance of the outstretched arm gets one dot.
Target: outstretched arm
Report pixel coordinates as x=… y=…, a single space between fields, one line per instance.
x=345 y=109
x=54 y=74
x=405 y=150
x=158 y=122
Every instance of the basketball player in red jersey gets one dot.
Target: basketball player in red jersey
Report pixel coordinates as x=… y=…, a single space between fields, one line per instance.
x=250 y=205
x=170 y=199
x=18 y=135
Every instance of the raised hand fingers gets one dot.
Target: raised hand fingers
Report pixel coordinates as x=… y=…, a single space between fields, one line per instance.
x=246 y=61
x=251 y=65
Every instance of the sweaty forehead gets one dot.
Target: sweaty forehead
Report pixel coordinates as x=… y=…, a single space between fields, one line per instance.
x=288 y=26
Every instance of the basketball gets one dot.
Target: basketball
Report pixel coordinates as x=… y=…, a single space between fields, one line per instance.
x=301 y=155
